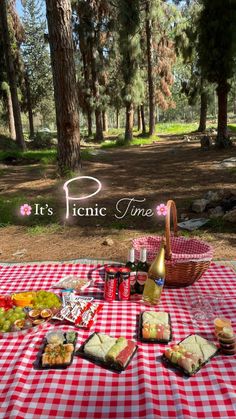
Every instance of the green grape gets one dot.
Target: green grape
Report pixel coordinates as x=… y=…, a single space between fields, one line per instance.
x=6 y=326
x=18 y=309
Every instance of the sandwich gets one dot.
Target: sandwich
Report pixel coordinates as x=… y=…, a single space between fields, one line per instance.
x=113 y=351
x=193 y=352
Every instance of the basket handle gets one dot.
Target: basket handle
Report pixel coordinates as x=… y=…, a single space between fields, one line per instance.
x=171 y=208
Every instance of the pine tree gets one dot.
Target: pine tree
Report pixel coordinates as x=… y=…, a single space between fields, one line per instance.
x=11 y=31
x=38 y=76
x=92 y=27
x=129 y=41
x=59 y=15
x=186 y=41
x=217 y=54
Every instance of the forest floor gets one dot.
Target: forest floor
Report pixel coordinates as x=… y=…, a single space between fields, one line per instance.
x=169 y=169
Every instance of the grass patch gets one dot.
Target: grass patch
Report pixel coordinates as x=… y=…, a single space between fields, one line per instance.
x=120 y=142
x=44 y=157
x=177 y=128
x=219 y=225
x=10 y=211
x=38 y=230
x=113 y=143
x=232 y=127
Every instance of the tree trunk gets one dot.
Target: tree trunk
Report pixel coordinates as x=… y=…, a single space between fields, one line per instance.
x=222 y=139
x=104 y=121
x=129 y=122
x=151 y=84
x=143 y=119
x=10 y=113
x=96 y=93
x=139 y=119
x=11 y=76
x=64 y=80
x=203 y=113
x=29 y=106
x=117 y=118
x=99 y=128
x=234 y=104
x=90 y=123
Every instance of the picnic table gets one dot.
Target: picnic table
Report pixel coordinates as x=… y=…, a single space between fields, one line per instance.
x=147 y=389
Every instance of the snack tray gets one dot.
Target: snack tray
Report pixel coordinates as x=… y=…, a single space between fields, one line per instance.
x=70 y=279
x=177 y=367
x=38 y=362
x=140 y=336
x=112 y=366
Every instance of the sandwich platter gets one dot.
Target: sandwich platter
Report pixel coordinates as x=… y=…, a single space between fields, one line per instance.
x=154 y=327
x=109 y=352
x=190 y=355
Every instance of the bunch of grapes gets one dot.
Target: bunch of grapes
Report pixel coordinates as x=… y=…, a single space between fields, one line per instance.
x=8 y=318
x=46 y=299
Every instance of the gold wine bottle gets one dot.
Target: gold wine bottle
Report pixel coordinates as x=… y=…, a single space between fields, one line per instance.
x=156 y=278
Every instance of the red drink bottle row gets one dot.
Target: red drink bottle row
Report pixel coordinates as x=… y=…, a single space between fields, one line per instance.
x=117 y=277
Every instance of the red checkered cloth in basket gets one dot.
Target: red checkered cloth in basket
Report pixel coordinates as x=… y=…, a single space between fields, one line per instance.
x=182 y=249
x=147 y=389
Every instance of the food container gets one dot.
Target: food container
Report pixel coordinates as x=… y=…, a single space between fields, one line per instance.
x=55 y=337
x=152 y=340
x=182 y=370
x=112 y=366
x=38 y=362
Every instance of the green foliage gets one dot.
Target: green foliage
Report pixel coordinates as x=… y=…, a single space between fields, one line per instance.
x=42 y=140
x=217 y=40
x=10 y=211
x=36 y=57
x=130 y=50
x=7 y=143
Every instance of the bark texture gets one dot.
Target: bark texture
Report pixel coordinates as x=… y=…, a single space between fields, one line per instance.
x=11 y=121
x=222 y=139
x=64 y=80
x=139 y=119
x=151 y=84
x=11 y=76
x=90 y=123
x=117 y=119
x=29 y=106
x=129 y=122
x=105 y=121
x=203 y=113
x=143 y=119
x=96 y=94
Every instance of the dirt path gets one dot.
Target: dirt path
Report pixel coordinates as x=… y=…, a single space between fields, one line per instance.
x=167 y=170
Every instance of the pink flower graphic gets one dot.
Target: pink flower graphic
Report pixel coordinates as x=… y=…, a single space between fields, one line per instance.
x=25 y=209
x=162 y=210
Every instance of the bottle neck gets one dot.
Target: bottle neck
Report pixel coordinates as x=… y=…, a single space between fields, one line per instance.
x=143 y=255
x=131 y=257
x=157 y=268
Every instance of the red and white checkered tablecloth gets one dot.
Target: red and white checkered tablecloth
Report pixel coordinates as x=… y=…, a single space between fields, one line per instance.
x=147 y=389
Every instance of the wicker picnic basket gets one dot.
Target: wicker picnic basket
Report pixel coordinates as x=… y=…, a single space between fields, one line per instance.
x=186 y=259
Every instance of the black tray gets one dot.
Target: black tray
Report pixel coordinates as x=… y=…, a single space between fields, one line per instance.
x=140 y=336
x=38 y=362
x=107 y=365
x=177 y=367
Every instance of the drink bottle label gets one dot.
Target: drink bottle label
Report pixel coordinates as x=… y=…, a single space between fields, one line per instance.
x=159 y=282
x=133 y=278
x=141 y=277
